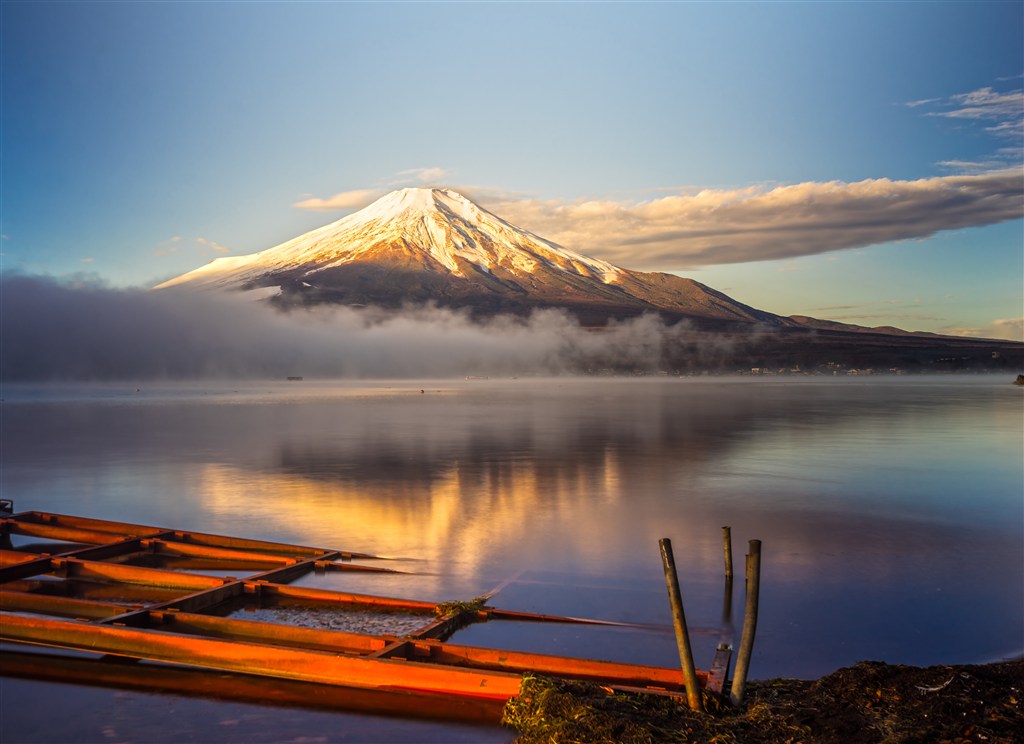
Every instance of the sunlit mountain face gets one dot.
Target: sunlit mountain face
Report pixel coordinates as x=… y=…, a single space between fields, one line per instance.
x=437 y=246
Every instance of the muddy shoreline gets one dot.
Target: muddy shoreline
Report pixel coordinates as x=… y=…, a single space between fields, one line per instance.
x=863 y=704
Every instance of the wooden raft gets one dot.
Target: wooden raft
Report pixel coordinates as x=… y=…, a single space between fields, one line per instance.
x=75 y=600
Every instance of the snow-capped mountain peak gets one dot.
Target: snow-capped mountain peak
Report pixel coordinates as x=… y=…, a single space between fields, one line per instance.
x=440 y=227
x=436 y=246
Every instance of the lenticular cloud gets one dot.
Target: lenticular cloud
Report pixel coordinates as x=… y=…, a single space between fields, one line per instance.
x=717 y=226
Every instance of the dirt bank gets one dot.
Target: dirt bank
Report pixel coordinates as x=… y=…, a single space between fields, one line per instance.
x=868 y=702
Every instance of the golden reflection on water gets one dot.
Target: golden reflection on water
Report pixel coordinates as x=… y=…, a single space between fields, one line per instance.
x=459 y=510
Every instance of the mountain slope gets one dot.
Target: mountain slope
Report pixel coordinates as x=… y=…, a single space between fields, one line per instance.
x=435 y=245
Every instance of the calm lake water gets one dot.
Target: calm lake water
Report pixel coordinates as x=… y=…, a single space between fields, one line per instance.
x=891 y=513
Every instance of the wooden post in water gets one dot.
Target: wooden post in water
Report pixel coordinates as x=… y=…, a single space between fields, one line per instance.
x=727 y=546
x=693 y=694
x=739 y=679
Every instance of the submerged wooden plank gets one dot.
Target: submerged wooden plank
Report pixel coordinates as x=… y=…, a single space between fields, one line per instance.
x=41 y=564
x=16 y=557
x=123 y=529
x=558 y=666
x=175 y=547
x=60 y=532
x=48 y=604
x=272 y=633
x=327 y=596
x=197 y=602
x=199 y=538
x=264 y=660
x=98 y=570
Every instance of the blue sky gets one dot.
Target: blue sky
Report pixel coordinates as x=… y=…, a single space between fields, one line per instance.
x=871 y=152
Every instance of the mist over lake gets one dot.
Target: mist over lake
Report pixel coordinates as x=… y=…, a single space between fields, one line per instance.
x=891 y=511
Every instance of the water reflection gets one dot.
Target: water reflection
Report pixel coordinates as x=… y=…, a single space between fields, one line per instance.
x=882 y=505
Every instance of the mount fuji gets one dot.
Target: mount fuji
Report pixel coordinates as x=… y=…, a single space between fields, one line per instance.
x=434 y=245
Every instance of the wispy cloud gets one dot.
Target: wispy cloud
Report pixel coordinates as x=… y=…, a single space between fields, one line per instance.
x=1005 y=111
x=905 y=319
x=359 y=198
x=89 y=259
x=215 y=246
x=433 y=175
x=759 y=223
x=1001 y=114
x=1011 y=329
x=175 y=244
x=340 y=201
x=922 y=102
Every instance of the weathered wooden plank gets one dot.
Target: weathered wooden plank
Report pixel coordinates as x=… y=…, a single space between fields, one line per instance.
x=259 y=659
x=60 y=532
x=271 y=633
x=98 y=570
x=250 y=558
x=558 y=666
x=326 y=596
x=48 y=604
x=16 y=567
x=16 y=557
x=114 y=672
x=198 y=538
x=719 y=668
x=196 y=602
x=122 y=529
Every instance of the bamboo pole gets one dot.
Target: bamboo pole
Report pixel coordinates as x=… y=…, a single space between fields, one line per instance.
x=693 y=694
x=727 y=546
x=739 y=680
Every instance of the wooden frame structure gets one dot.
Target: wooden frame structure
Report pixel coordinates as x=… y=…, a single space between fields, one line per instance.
x=75 y=599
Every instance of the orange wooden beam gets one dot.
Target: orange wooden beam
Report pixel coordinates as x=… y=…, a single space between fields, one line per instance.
x=113 y=672
x=259 y=659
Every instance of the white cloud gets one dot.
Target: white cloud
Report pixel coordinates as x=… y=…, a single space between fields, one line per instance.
x=215 y=246
x=342 y=200
x=90 y=259
x=970 y=166
x=424 y=175
x=174 y=245
x=1011 y=329
x=1007 y=109
x=359 y=198
x=717 y=226
x=984 y=104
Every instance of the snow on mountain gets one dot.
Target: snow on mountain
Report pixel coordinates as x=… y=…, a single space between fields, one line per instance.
x=435 y=245
x=441 y=223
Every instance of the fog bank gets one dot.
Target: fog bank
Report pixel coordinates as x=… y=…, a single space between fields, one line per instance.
x=82 y=330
